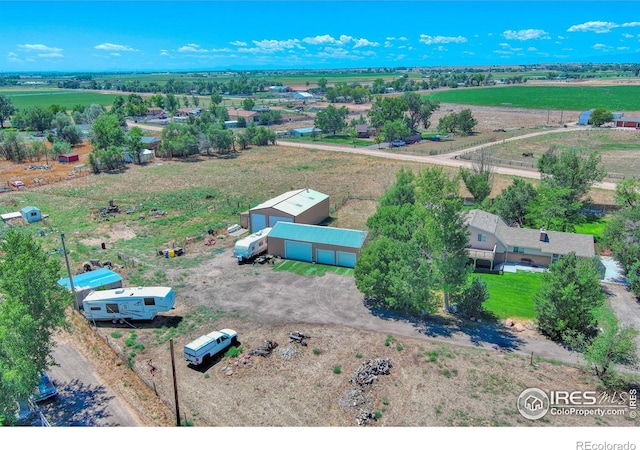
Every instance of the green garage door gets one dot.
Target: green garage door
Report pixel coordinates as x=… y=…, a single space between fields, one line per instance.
x=346 y=259
x=300 y=251
x=325 y=257
x=258 y=222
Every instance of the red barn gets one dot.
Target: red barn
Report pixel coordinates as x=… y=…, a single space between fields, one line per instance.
x=68 y=158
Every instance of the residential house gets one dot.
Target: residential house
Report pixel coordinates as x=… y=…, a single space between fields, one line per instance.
x=493 y=242
x=365 y=131
x=249 y=116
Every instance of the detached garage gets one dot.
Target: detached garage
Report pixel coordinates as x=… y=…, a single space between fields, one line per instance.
x=300 y=206
x=312 y=243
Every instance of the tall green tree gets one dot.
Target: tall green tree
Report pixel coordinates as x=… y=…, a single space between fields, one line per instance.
x=396 y=129
x=419 y=109
x=6 y=109
x=248 y=104
x=106 y=131
x=331 y=119
x=447 y=124
x=569 y=293
x=511 y=203
x=135 y=146
x=600 y=116
x=465 y=122
x=478 y=184
x=31 y=310
x=386 y=109
x=614 y=345
x=573 y=169
x=446 y=233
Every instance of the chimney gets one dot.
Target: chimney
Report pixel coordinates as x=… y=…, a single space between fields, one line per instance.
x=543 y=235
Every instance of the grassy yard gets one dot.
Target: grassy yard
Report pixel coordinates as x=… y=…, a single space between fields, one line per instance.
x=67 y=98
x=337 y=139
x=595 y=227
x=303 y=268
x=511 y=294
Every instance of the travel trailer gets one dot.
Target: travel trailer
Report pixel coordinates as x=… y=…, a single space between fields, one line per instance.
x=253 y=245
x=140 y=303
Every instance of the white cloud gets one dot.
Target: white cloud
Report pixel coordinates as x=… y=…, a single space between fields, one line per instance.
x=628 y=36
x=388 y=44
x=164 y=52
x=51 y=55
x=115 y=47
x=390 y=38
x=442 y=49
x=525 y=35
x=321 y=40
x=622 y=48
x=238 y=43
x=602 y=47
x=631 y=24
x=192 y=48
x=12 y=55
x=532 y=49
x=402 y=38
x=115 y=54
x=595 y=26
x=39 y=48
x=272 y=46
x=362 y=42
x=428 y=40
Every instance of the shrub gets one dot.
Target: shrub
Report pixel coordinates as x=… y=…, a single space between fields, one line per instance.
x=359 y=355
x=233 y=352
x=337 y=369
x=446 y=373
x=116 y=335
x=317 y=351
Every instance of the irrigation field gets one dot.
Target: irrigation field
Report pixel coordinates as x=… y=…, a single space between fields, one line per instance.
x=67 y=98
x=573 y=98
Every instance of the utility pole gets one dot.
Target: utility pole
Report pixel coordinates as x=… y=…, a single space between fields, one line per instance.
x=66 y=258
x=175 y=383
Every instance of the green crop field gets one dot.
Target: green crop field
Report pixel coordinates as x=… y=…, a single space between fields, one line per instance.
x=613 y=98
x=67 y=98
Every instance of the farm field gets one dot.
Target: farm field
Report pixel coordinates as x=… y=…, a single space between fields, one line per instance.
x=578 y=98
x=68 y=98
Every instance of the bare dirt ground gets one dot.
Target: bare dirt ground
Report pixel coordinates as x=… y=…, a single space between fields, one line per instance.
x=434 y=360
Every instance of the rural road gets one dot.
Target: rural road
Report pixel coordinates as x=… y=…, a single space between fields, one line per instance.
x=447 y=159
x=82 y=399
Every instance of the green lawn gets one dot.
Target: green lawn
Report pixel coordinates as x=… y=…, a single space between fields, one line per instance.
x=595 y=227
x=67 y=98
x=338 y=139
x=511 y=294
x=303 y=268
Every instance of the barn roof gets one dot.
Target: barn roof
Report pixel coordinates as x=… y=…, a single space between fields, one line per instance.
x=294 y=202
x=91 y=280
x=318 y=235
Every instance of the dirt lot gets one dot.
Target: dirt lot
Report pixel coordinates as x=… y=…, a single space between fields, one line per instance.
x=432 y=362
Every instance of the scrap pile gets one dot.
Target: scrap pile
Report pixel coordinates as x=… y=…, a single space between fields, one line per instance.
x=108 y=211
x=357 y=396
x=264 y=349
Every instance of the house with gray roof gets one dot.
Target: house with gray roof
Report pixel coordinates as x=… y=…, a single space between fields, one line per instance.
x=493 y=242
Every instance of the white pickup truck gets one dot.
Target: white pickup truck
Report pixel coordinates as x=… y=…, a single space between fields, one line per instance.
x=209 y=345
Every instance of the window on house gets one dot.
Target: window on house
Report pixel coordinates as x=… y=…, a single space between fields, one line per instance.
x=482 y=237
x=149 y=301
x=518 y=249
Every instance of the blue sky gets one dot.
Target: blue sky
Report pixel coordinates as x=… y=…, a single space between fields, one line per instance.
x=217 y=35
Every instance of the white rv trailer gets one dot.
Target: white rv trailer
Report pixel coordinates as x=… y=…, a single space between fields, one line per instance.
x=253 y=245
x=139 y=303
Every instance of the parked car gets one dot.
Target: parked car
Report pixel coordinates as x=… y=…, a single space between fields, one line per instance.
x=17 y=184
x=45 y=389
x=398 y=143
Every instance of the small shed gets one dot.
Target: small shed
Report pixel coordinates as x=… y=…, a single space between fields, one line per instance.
x=31 y=214
x=585 y=117
x=300 y=132
x=317 y=244
x=94 y=280
x=68 y=158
